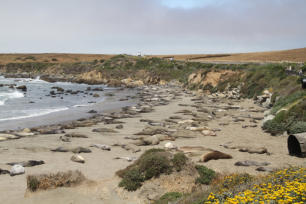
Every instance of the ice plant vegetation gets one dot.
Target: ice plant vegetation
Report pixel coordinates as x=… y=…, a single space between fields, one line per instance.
x=283 y=186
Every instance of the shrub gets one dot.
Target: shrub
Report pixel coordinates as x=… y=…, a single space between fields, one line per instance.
x=132 y=180
x=274 y=127
x=283 y=186
x=154 y=164
x=206 y=175
x=168 y=197
x=30 y=58
x=54 y=59
x=32 y=183
x=61 y=179
x=285 y=100
x=235 y=180
x=179 y=160
x=151 y=163
x=298 y=127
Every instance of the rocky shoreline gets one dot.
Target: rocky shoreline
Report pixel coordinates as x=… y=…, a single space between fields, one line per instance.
x=222 y=132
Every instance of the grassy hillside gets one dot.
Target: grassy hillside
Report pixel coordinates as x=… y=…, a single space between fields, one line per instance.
x=51 y=58
x=295 y=55
x=288 y=100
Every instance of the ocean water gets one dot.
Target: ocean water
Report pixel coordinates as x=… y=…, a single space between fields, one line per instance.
x=36 y=106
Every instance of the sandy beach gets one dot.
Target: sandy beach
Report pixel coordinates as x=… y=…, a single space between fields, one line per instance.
x=235 y=123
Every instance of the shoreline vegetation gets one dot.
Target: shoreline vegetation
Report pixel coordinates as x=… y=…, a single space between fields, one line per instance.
x=283 y=90
x=271 y=86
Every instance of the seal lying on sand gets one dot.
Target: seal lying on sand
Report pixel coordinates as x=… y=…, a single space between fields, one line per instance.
x=215 y=155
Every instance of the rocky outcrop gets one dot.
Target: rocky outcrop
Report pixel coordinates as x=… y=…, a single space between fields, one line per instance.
x=212 y=78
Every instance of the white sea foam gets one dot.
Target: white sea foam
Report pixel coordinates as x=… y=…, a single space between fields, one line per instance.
x=35 y=113
x=82 y=105
x=36 y=80
x=4 y=96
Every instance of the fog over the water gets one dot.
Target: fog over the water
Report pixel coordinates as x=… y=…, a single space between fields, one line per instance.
x=151 y=26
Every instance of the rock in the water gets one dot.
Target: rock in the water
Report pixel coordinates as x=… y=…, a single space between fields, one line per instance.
x=77 y=158
x=17 y=170
x=92 y=111
x=215 y=155
x=251 y=163
x=22 y=87
x=78 y=150
x=101 y=146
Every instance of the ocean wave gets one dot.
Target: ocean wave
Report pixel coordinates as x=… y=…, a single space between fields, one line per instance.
x=82 y=105
x=37 y=80
x=35 y=113
x=4 y=96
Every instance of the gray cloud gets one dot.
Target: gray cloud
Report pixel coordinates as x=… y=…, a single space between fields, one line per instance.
x=129 y=26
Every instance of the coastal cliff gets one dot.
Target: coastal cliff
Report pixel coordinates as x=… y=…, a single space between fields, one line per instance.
x=268 y=84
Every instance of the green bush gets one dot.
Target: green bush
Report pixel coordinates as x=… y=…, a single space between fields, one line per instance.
x=231 y=182
x=152 y=165
x=30 y=58
x=298 y=127
x=32 y=183
x=132 y=180
x=206 y=175
x=274 y=127
x=285 y=100
x=169 y=197
x=179 y=160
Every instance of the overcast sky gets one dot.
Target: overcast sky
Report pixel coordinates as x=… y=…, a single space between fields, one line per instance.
x=151 y=26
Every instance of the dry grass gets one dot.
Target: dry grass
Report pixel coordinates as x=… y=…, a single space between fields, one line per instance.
x=60 y=179
x=51 y=58
x=295 y=55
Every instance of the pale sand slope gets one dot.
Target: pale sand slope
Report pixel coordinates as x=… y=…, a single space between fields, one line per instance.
x=100 y=165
